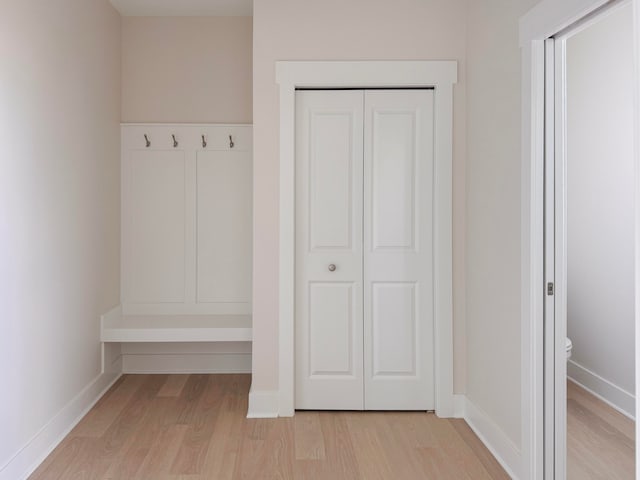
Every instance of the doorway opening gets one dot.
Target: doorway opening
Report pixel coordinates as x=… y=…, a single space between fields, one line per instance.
x=589 y=249
x=580 y=266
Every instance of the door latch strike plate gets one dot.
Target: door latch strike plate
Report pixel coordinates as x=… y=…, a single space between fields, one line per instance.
x=550 y=288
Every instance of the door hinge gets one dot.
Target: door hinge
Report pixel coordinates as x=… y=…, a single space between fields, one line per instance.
x=550 y=288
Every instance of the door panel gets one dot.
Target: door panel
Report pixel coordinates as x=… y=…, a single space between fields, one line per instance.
x=393 y=329
x=392 y=169
x=331 y=181
x=329 y=321
x=398 y=246
x=331 y=324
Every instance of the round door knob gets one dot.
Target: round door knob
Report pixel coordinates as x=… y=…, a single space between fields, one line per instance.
x=332 y=268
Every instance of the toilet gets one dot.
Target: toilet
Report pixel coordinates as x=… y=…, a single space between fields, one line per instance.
x=569 y=347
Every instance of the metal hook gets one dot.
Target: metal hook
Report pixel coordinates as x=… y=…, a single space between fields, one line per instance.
x=231 y=144
x=175 y=142
x=146 y=139
x=204 y=142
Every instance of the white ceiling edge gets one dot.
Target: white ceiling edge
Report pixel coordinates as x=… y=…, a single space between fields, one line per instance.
x=184 y=8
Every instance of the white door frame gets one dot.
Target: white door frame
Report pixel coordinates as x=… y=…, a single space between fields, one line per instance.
x=441 y=75
x=547 y=19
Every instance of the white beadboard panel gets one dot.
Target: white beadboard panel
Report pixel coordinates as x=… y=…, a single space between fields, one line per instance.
x=224 y=224
x=157 y=226
x=186 y=219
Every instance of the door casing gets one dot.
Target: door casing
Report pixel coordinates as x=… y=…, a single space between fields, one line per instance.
x=440 y=75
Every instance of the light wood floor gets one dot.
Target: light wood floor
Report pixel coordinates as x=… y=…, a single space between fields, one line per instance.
x=600 y=440
x=194 y=427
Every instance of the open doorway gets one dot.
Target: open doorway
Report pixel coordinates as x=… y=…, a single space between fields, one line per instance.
x=590 y=249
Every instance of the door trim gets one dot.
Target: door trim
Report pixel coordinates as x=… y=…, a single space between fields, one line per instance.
x=440 y=75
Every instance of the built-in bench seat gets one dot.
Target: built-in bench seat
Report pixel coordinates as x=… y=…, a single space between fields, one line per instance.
x=176 y=328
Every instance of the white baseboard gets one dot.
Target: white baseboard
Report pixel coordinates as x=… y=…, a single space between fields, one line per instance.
x=31 y=455
x=496 y=441
x=459 y=405
x=262 y=404
x=221 y=357
x=111 y=358
x=616 y=397
x=186 y=363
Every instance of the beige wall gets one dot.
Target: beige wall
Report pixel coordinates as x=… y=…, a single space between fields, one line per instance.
x=493 y=211
x=187 y=69
x=338 y=30
x=59 y=205
x=600 y=205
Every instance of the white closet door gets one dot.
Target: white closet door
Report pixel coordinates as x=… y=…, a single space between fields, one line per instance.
x=398 y=250
x=329 y=209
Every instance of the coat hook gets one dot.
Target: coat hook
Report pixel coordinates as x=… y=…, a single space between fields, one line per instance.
x=231 y=144
x=204 y=142
x=146 y=139
x=175 y=142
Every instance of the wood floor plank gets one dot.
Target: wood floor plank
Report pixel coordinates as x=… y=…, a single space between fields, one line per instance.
x=252 y=445
x=191 y=393
x=124 y=428
x=219 y=445
x=173 y=386
x=398 y=447
x=235 y=405
x=309 y=441
x=57 y=462
x=162 y=453
x=435 y=464
x=616 y=419
x=457 y=454
x=102 y=415
x=340 y=456
x=191 y=455
x=490 y=464
x=157 y=430
x=133 y=454
x=89 y=464
x=276 y=460
x=371 y=457
x=596 y=446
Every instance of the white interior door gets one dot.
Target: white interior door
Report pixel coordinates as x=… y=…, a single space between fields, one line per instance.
x=398 y=250
x=364 y=250
x=329 y=250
